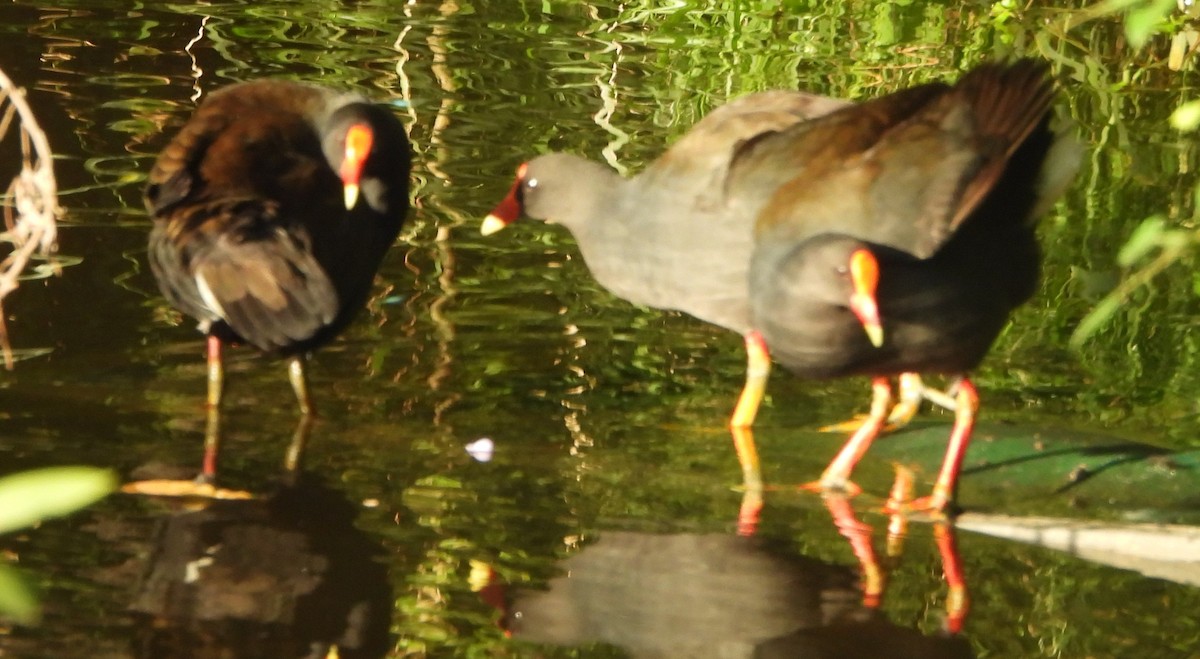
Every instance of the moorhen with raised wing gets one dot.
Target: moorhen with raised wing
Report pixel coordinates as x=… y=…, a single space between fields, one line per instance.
x=272 y=210
x=911 y=216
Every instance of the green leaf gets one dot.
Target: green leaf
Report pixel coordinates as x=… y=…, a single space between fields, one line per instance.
x=1144 y=20
x=17 y=600
x=1187 y=116
x=29 y=497
x=1146 y=237
x=1092 y=322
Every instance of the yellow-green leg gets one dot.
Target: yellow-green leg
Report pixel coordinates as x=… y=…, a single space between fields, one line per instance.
x=758 y=367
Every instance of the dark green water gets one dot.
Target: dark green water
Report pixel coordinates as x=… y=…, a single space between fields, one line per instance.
x=606 y=417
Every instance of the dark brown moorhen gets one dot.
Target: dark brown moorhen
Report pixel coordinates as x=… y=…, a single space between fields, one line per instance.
x=287 y=575
x=630 y=231
x=910 y=216
x=272 y=209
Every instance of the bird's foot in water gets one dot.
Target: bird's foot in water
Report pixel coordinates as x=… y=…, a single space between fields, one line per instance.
x=837 y=486
x=938 y=506
x=899 y=416
x=850 y=426
x=912 y=392
x=197 y=488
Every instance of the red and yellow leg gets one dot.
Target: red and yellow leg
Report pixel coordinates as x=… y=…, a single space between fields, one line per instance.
x=837 y=474
x=966 y=404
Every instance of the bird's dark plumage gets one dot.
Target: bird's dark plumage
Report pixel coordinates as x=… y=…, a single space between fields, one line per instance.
x=272 y=210
x=251 y=236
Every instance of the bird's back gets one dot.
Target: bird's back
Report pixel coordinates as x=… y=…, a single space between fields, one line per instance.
x=673 y=241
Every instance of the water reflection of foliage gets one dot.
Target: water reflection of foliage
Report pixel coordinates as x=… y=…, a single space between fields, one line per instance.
x=525 y=328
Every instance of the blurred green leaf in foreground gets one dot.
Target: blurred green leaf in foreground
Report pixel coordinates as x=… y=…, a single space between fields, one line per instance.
x=28 y=498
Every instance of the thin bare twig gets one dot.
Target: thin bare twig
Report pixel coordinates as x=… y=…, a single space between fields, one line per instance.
x=31 y=205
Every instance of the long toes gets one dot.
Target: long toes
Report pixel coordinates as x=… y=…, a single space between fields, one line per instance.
x=197 y=489
x=830 y=486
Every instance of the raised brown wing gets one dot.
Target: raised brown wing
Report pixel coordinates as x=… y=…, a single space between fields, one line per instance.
x=705 y=153
x=904 y=170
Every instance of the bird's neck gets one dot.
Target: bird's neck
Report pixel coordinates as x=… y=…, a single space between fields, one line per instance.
x=594 y=199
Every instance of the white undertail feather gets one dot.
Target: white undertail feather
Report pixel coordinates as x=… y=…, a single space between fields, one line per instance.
x=206 y=294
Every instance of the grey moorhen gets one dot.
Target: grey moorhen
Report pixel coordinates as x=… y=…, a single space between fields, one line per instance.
x=634 y=233
x=714 y=595
x=272 y=210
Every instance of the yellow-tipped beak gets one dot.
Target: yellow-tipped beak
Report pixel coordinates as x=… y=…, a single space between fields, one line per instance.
x=359 y=139
x=491 y=224
x=874 y=334
x=868 y=314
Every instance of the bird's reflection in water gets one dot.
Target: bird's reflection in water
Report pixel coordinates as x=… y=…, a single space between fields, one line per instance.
x=716 y=595
x=284 y=576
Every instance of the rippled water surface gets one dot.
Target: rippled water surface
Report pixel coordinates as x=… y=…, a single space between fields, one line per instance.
x=608 y=419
